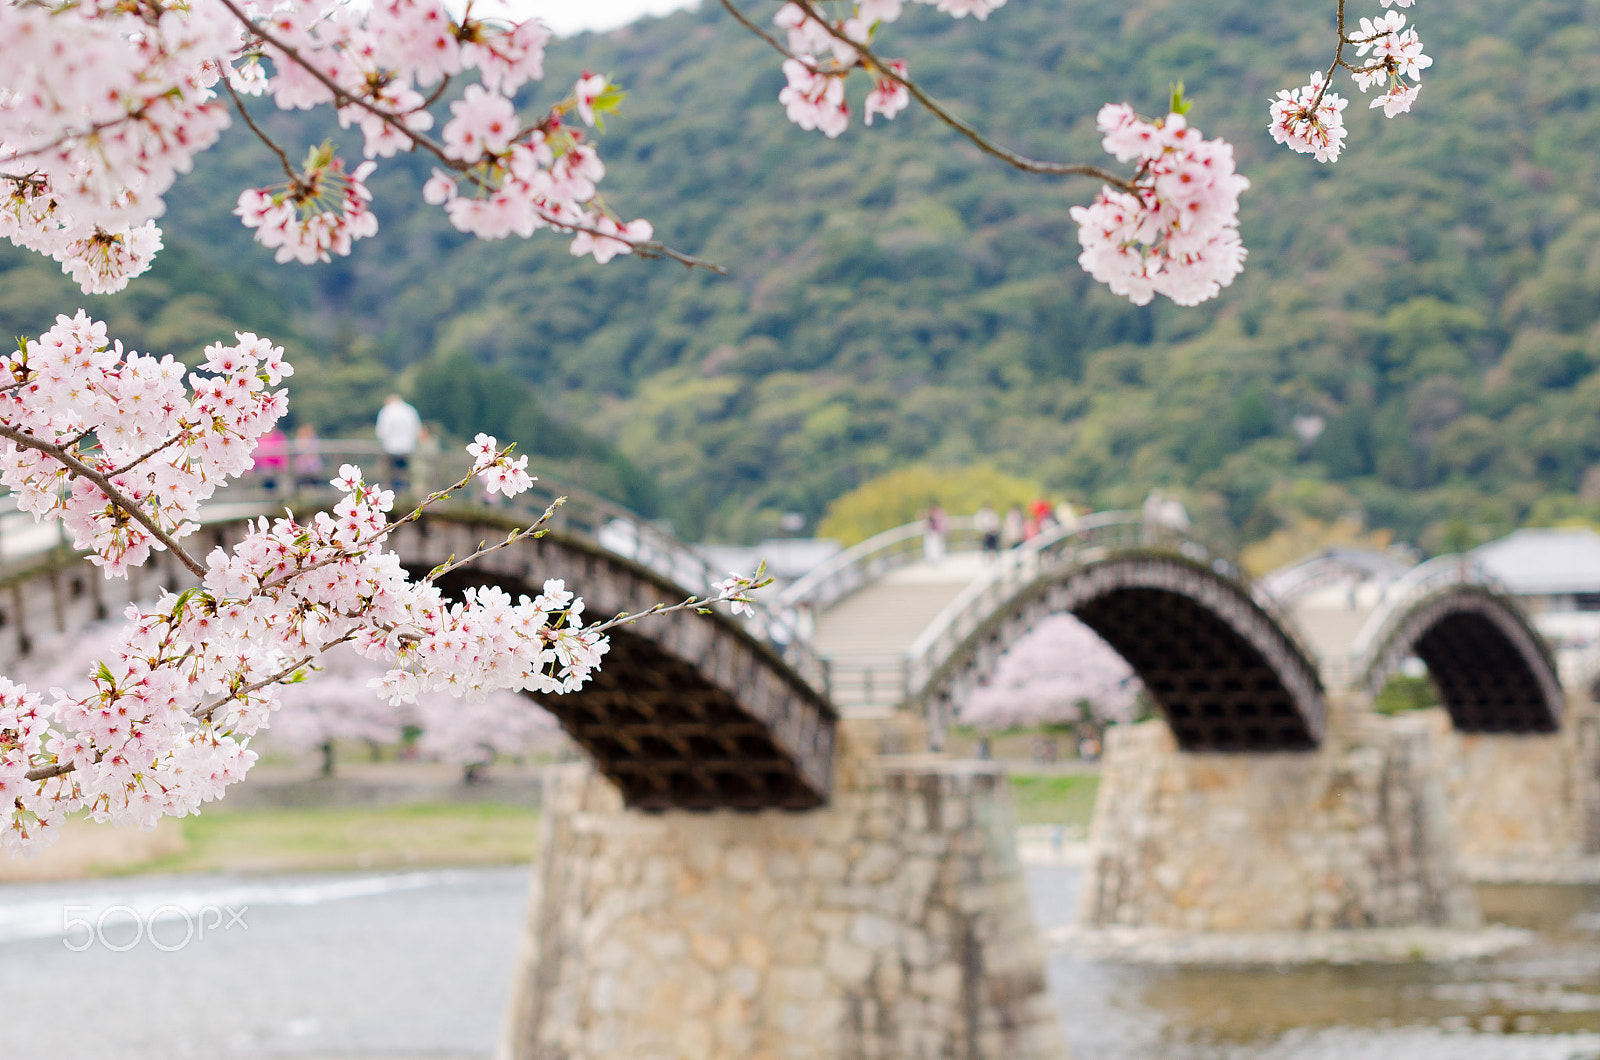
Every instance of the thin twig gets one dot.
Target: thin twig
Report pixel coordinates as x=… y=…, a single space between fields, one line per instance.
x=116 y=496
x=880 y=68
x=739 y=16
x=511 y=539
x=436 y=95
x=692 y=602
x=136 y=461
x=204 y=713
x=283 y=157
x=1338 y=61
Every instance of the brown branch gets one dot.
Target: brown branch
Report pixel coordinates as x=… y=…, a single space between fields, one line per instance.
x=1338 y=61
x=116 y=496
x=879 y=67
x=739 y=16
x=136 y=461
x=283 y=157
x=204 y=713
x=649 y=249
x=60 y=769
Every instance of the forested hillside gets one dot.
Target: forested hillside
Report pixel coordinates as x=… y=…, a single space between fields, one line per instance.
x=1431 y=300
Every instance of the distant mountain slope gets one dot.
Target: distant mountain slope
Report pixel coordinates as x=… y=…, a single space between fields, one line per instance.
x=1431 y=300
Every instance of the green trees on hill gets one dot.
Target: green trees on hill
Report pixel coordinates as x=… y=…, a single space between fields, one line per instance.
x=464 y=397
x=1432 y=301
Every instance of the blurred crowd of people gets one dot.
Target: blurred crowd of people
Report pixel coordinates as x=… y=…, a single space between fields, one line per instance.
x=1022 y=523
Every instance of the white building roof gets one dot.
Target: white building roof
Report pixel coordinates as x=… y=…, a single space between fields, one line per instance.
x=1545 y=562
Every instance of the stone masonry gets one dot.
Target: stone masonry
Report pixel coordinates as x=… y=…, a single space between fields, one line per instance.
x=891 y=924
x=1356 y=834
x=1525 y=807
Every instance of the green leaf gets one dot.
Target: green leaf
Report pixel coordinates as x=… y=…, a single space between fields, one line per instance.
x=1179 y=104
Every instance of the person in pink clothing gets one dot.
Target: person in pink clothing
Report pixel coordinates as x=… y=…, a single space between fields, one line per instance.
x=272 y=458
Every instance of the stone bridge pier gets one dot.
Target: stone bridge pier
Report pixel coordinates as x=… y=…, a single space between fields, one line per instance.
x=1525 y=807
x=1355 y=834
x=892 y=923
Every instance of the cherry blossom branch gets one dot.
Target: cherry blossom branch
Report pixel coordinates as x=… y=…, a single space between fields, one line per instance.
x=535 y=529
x=881 y=68
x=734 y=590
x=204 y=713
x=61 y=769
x=116 y=496
x=136 y=461
x=651 y=249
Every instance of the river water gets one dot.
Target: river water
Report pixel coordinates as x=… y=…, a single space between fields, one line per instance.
x=1536 y=1002
x=416 y=966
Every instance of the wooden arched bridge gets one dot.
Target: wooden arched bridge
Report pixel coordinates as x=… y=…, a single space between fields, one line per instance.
x=712 y=710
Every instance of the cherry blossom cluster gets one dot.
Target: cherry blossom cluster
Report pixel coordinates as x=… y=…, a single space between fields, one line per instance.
x=74 y=405
x=103 y=104
x=503 y=176
x=521 y=180
x=1310 y=119
x=1395 y=54
x=316 y=215
x=1176 y=232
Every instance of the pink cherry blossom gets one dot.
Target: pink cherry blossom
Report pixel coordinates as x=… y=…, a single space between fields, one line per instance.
x=1177 y=233
x=1308 y=125
x=1049 y=676
x=1397 y=100
x=589 y=88
x=890 y=97
x=814 y=100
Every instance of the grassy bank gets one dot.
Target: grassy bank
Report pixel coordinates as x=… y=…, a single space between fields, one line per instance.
x=1046 y=798
x=301 y=839
x=338 y=839
x=333 y=839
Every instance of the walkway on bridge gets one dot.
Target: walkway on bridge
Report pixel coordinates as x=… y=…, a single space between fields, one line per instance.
x=868 y=633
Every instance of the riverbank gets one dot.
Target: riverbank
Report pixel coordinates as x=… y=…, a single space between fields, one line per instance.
x=412 y=816
x=254 y=841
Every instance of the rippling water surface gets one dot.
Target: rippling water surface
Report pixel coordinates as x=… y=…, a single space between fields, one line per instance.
x=417 y=965
x=1538 y=1002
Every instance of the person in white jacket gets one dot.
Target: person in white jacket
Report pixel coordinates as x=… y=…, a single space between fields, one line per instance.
x=398 y=429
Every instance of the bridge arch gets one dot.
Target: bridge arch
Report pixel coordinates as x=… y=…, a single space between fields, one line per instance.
x=688 y=710
x=1492 y=670
x=1226 y=673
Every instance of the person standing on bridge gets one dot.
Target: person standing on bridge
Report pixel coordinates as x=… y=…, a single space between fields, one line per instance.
x=398 y=429
x=987 y=523
x=934 y=525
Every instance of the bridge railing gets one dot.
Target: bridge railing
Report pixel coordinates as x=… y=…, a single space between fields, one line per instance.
x=866 y=562
x=1093 y=536
x=1400 y=596
x=904 y=679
